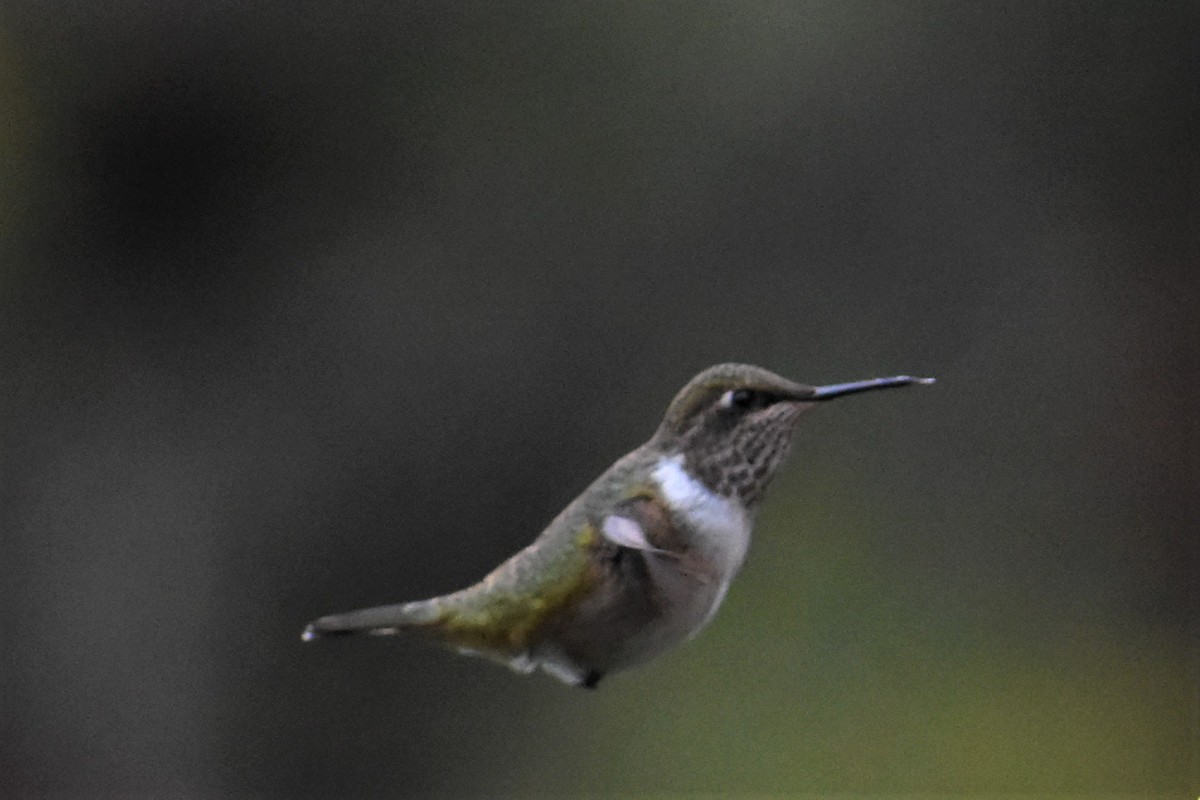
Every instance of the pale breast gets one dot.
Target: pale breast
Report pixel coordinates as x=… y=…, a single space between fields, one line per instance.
x=720 y=525
x=719 y=529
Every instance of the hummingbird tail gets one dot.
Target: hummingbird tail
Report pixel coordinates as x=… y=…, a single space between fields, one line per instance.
x=379 y=621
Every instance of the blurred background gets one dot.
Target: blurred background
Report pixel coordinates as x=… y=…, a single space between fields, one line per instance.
x=305 y=308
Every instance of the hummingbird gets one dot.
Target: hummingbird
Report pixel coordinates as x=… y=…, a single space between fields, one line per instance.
x=642 y=559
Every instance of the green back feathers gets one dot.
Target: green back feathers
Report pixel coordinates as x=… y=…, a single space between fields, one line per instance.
x=508 y=611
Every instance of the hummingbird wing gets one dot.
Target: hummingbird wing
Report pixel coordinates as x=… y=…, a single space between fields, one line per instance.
x=626 y=532
x=644 y=523
x=505 y=615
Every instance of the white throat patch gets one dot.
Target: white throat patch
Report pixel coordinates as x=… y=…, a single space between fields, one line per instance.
x=721 y=524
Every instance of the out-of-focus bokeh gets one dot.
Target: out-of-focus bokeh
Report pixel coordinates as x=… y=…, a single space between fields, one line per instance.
x=309 y=307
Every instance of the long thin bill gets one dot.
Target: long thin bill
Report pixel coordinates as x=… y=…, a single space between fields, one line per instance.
x=842 y=389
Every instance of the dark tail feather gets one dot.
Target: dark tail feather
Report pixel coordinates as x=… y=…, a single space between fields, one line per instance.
x=379 y=621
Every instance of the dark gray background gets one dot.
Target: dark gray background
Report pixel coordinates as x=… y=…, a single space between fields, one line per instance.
x=307 y=307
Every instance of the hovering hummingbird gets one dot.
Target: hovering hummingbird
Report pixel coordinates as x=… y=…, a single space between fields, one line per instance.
x=642 y=559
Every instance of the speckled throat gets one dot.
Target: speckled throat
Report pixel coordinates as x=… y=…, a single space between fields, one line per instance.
x=741 y=461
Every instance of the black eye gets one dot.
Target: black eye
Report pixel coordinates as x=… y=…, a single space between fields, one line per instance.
x=742 y=398
x=746 y=399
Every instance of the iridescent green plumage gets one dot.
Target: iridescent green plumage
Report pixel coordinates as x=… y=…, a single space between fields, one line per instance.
x=527 y=596
x=642 y=558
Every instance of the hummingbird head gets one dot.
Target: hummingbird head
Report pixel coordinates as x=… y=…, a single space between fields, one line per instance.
x=733 y=424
